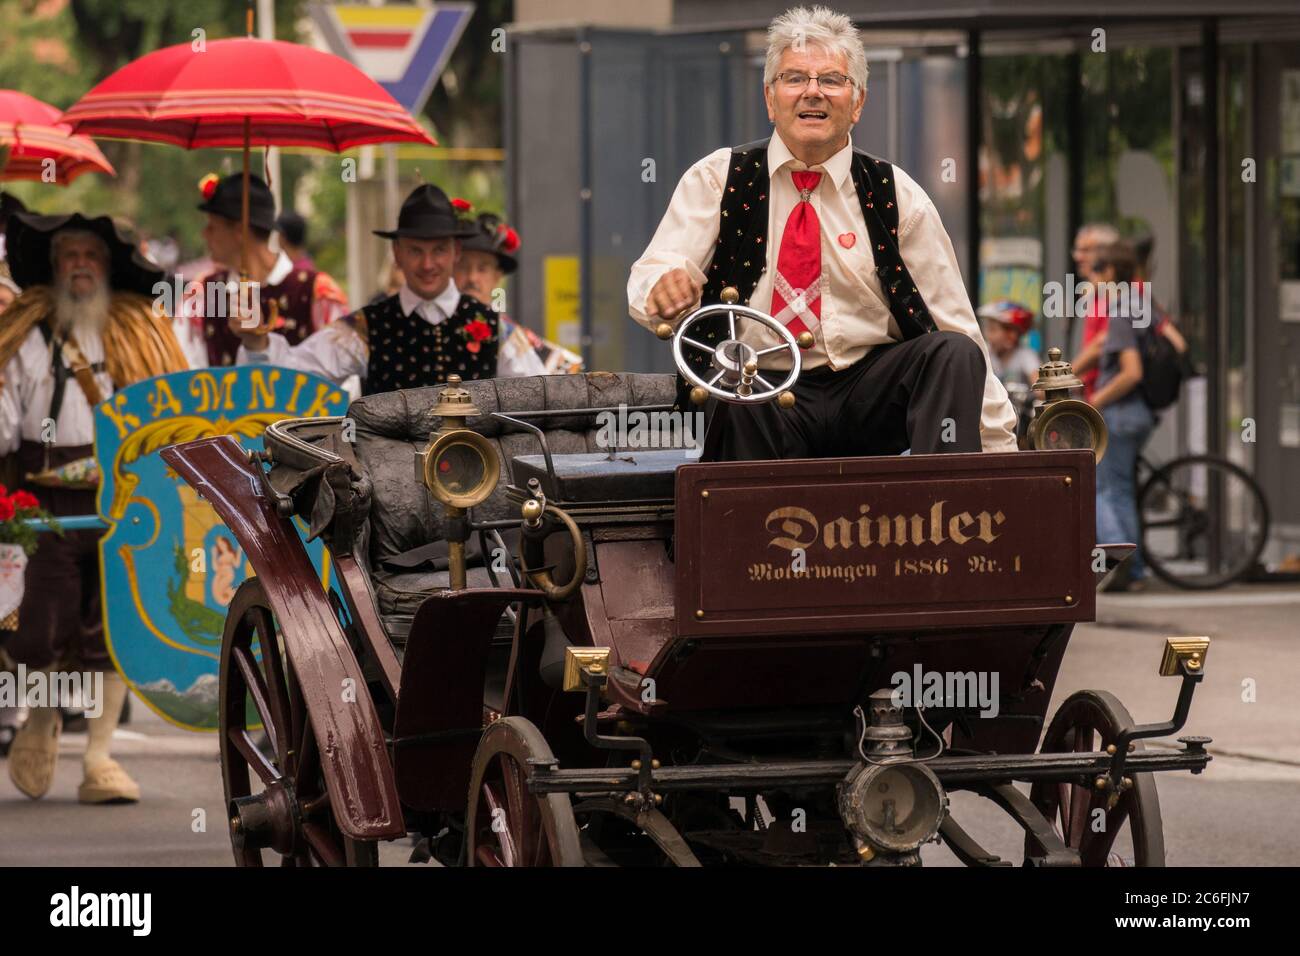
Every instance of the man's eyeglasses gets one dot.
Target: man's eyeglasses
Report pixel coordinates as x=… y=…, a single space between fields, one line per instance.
x=828 y=83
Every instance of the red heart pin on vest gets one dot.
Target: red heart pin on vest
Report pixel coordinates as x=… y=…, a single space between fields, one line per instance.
x=847 y=240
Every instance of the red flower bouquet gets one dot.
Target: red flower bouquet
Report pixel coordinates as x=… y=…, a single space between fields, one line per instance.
x=17 y=542
x=15 y=510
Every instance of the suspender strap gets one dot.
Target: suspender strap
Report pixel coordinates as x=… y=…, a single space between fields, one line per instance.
x=81 y=369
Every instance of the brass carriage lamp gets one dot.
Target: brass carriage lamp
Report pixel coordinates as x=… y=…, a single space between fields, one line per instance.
x=459 y=467
x=1061 y=421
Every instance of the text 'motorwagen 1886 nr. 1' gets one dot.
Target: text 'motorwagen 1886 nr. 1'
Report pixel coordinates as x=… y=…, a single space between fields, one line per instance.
x=541 y=652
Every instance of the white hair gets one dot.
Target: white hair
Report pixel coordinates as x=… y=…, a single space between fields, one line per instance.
x=821 y=27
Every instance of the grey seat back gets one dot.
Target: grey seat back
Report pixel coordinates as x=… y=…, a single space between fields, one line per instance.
x=392 y=426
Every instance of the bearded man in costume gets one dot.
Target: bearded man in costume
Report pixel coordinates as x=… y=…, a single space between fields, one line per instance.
x=84 y=327
x=832 y=242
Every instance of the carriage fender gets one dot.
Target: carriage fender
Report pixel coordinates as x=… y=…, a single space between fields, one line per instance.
x=358 y=773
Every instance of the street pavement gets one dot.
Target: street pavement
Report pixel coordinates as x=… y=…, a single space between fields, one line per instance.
x=1242 y=811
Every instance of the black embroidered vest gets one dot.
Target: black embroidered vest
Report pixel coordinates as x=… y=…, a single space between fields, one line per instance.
x=408 y=352
x=741 y=254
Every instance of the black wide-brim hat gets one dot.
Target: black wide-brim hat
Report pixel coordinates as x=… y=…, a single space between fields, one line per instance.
x=29 y=236
x=428 y=214
x=490 y=236
x=227 y=201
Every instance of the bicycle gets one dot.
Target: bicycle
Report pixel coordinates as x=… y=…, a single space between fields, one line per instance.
x=1181 y=542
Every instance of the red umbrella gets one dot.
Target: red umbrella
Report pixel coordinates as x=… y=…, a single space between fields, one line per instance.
x=31 y=134
x=244 y=92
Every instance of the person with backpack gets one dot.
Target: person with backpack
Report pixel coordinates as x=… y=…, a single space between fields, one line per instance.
x=1118 y=396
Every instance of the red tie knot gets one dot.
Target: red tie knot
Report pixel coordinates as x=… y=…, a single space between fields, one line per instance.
x=805 y=181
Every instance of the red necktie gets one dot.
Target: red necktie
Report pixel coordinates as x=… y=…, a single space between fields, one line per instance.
x=796 y=286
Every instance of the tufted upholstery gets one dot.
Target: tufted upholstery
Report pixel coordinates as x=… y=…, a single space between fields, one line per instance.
x=392 y=426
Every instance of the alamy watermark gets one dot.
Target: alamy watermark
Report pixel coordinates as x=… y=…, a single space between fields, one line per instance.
x=1124 y=300
x=630 y=429
x=212 y=298
x=968 y=690
x=72 y=689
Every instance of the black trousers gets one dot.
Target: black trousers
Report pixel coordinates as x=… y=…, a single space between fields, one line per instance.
x=926 y=394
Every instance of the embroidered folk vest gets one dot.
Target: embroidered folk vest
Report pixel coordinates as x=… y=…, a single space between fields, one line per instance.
x=741 y=254
x=408 y=352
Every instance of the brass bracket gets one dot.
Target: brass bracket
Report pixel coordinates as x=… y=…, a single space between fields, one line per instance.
x=582 y=661
x=1193 y=650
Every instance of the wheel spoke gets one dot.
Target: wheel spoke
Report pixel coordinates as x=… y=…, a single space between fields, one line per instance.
x=299 y=723
x=770 y=349
x=276 y=684
x=766 y=384
x=699 y=345
x=498 y=824
x=256 y=688
x=322 y=844
x=304 y=777
x=253 y=756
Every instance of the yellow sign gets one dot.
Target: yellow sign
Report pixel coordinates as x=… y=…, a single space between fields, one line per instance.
x=562 y=280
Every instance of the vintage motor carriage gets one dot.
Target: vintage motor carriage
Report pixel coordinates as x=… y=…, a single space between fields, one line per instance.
x=540 y=648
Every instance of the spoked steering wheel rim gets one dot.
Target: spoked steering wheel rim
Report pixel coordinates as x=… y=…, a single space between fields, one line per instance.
x=730 y=356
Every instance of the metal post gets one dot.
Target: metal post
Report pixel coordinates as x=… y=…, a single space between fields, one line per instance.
x=974 y=97
x=356 y=294
x=1074 y=146
x=1214 y=337
x=392 y=200
x=586 y=264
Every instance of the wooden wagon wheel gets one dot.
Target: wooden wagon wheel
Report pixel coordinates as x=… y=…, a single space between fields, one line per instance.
x=275 y=790
x=1088 y=721
x=507 y=825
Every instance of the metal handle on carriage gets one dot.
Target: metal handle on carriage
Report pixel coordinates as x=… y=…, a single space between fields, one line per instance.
x=533 y=512
x=736 y=361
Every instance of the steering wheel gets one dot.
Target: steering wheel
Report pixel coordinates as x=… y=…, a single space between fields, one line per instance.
x=737 y=379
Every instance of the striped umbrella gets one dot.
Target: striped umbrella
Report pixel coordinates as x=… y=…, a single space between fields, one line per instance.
x=242 y=93
x=34 y=143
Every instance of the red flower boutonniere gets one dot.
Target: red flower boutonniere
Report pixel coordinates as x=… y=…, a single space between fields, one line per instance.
x=476 y=333
x=208 y=185
x=462 y=205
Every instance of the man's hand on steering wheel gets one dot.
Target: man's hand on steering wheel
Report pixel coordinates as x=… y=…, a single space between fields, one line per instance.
x=673 y=294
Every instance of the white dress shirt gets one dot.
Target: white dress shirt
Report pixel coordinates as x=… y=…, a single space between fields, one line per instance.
x=337 y=352
x=29 y=386
x=855 y=313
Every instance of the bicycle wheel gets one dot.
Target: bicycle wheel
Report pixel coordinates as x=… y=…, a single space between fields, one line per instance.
x=1181 y=542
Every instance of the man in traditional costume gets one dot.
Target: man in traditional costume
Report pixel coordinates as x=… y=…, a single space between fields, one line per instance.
x=837 y=243
x=294 y=301
x=83 y=327
x=486 y=258
x=426 y=331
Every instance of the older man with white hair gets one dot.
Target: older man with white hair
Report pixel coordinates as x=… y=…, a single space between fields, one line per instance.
x=837 y=243
x=83 y=327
